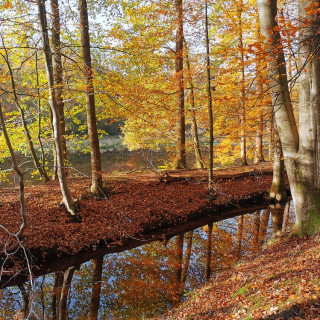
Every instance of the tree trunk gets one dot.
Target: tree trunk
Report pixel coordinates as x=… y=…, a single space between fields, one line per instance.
x=278 y=188
x=181 y=127
x=189 y=238
x=56 y=294
x=301 y=151
x=239 y=236
x=277 y=211
x=58 y=73
x=286 y=217
x=96 y=183
x=264 y=221
x=209 y=251
x=256 y=229
x=177 y=285
x=194 y=126
x=67 y=279
x=66 y=195
x=243 y=156
x=209 y=97
x=96 y=288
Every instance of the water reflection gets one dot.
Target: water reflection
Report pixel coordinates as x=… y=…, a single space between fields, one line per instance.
x=147 y=280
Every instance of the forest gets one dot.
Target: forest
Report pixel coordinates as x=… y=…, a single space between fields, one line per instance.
x=225 y=94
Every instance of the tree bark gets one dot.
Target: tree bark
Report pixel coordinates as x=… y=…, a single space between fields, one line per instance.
x=194 y=125
x=209 y=251
x=209 y=99
x=189 y=239
x=239 y=236
x=96 y=182
x=301 y=151
x=278 y=188
x=67 y=279
x=66 y=195
x=177 y=286
x=243 y=156
x=58 y=72
x=97 y=265
x=181 y=127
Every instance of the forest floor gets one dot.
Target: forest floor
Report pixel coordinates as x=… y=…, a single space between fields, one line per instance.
x=280 y=282
x=136 y=204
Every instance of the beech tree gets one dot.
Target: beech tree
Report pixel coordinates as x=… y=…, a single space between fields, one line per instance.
x=96 y=182
x=181 y=138
x=66 y=195
x=300 y=147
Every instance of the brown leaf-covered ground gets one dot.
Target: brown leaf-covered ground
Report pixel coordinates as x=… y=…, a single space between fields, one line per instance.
x=281 y=282
x=136 y=203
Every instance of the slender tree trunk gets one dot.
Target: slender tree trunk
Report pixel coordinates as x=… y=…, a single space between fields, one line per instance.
x=256 y=229
x=259 y=132
x=286 y=217
x=239 y=236
x=243 y=156
x=26 y=301
x=66 y=195
x=189 y=238
x=19 y=173
x=181 y=127
x=194 y=126
x=97 y=265
x=96 y=184
x=56 y=294
x=58 y=72
x=278 y=188
x=209 y=251
x=264 y=221
x=178 y=270
x=209 y=97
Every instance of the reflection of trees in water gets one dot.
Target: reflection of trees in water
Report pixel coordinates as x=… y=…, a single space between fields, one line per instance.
x=148 y=280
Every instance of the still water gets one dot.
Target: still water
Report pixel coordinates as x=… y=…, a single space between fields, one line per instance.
x=148 y=280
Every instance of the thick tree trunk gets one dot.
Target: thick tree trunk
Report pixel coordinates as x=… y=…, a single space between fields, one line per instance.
x=181 y=127
x=56 y=294
x=278 y=188
x=66 y=195
x=277 y=211
x=58 y=72
x=301 y=151
x=96 y=183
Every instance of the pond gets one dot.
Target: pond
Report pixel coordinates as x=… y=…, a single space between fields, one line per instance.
x=147 y=280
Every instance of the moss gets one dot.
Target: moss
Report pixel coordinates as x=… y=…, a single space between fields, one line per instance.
x=242 y=291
